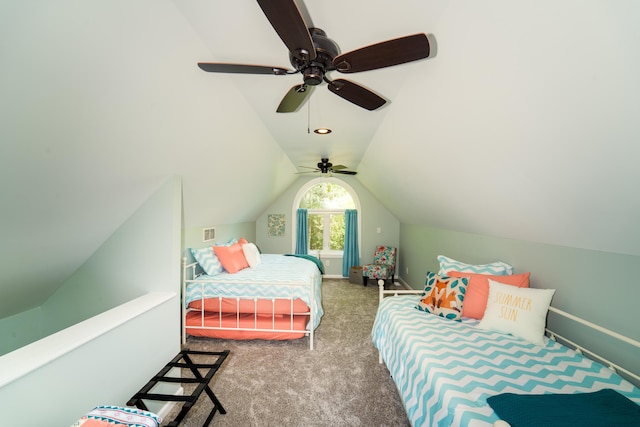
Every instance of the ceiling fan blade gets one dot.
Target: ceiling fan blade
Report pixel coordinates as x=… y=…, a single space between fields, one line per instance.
x=294 y=99
x=211 y=67
x=338 y=167
x=345 y=172
x=286 y=19
x=356 y=94
x=384 y=54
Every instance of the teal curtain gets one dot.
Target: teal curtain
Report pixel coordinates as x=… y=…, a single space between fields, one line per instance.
x=302 y=231
x=350 y=257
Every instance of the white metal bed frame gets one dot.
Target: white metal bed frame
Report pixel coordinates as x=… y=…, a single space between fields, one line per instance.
x=552 y=335
x=189 y=275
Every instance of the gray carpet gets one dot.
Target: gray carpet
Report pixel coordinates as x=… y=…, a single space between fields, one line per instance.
x=283 y=383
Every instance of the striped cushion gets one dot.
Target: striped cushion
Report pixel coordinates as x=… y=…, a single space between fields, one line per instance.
x=125 y=416
x=497 y=268
x=207 y=260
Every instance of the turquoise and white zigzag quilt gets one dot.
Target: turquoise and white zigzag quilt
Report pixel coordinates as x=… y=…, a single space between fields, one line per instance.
x=445 y=370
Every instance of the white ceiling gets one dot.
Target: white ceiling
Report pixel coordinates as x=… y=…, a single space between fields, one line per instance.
x=523 y=125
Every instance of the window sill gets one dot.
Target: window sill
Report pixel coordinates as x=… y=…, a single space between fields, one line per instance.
x=324 y=255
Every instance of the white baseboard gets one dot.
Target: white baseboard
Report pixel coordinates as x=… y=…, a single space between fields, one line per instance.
x=401 y=283
x=334 y=276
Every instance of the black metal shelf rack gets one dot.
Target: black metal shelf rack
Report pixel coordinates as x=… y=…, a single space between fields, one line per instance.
x=184 y=361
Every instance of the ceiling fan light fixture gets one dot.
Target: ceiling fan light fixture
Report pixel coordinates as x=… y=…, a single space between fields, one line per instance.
x=313 y=75
x=322 y=131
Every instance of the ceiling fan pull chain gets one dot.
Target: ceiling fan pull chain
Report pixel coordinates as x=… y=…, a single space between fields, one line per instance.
x=308 y=117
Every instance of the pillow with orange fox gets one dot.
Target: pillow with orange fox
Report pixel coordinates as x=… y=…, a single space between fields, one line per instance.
x=443 y=296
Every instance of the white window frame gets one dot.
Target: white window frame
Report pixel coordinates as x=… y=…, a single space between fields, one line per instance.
x=326 y=231
x=296 y=204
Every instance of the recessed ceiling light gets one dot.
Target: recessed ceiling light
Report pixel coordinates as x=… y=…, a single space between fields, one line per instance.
x=322 y=131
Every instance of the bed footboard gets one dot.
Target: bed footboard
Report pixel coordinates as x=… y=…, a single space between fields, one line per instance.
x=283 y=318
x=382 y=293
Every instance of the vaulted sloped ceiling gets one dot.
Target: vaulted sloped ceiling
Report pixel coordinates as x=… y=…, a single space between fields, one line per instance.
x=525 y=127
x=522 y=124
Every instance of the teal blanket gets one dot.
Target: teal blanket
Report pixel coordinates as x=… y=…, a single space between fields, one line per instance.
x=312 y=259
x=601 y=408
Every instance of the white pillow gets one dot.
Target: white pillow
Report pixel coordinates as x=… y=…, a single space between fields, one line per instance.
x=521 y=312
x=252 y=254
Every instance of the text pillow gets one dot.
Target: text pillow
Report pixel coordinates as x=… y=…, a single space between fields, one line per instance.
x=443 y=296
x=497 y=268
x=252 y=254
x=231 y=257
x=521 y=312
x=475 y=301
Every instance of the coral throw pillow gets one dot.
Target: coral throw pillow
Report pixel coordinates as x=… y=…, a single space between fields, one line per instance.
x=475 y=301
x=443 y=296
x=231 y=257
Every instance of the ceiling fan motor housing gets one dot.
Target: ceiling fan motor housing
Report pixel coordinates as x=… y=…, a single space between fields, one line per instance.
x=324 y=165
x=326 y=49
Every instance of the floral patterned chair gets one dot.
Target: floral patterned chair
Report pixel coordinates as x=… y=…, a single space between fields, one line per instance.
x=383 y=265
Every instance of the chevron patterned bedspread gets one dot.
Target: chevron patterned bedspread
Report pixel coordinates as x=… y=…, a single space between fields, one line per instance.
x=277 y=276
x=445 y=370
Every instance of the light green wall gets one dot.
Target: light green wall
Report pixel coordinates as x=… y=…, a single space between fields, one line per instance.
x=224 y=233
x=140 y=257
x=372 y=215
x=134 y=260
x=106 y=369
x=597 y=286
x=192 y=237
x=21 y=329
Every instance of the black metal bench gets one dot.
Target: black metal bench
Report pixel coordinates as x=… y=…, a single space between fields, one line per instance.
x=182 y=360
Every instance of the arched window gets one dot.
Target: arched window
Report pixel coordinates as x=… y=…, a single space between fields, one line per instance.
x=326 y=200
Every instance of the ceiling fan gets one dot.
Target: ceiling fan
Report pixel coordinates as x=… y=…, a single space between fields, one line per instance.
x=313 y=54
x=326 y=167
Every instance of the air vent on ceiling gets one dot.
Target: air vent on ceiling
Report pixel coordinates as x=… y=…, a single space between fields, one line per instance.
x=208 y=234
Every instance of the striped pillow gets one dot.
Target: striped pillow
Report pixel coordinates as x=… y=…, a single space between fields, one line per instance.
x=208 y=260
x=497 y=268
x=125 y=416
